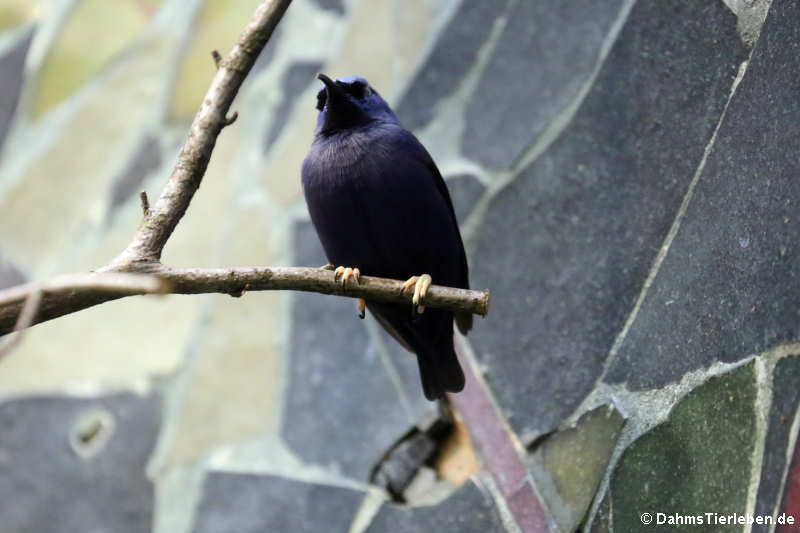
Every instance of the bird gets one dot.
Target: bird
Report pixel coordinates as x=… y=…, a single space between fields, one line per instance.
x=381 y=208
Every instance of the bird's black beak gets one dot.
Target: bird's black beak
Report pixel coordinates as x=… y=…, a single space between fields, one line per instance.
x=335 y=93
x=341 y=111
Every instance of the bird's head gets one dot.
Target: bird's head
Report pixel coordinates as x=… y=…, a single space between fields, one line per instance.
x=349 y=102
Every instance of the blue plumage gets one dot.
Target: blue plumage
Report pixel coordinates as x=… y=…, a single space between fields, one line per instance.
x=379 y=203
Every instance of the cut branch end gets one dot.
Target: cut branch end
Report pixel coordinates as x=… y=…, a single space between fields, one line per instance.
x=231 y=119
x=145 y=203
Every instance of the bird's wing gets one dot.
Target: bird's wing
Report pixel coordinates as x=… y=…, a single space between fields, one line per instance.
x=463 y=320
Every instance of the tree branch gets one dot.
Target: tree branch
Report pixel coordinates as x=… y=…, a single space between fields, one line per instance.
x=68 y=294
x=137 y=270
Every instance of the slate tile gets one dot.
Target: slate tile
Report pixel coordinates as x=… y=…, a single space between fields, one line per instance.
x=602 y=520
x=10 y=273
x=342 y=409
x=76 y=56
x=144 y=159
x=12 y=64
x=557 y=45
x=468 y=510
x=465 y=191
x=406 y=368
x=451 y=58
x=569 y=464
x=728 y=286
x=297 y=78
x=331 y=5
x=45 y=486
x=264 y=59
x=785 y=402
x=566 y=247
x=674 y=470
x=252 y=503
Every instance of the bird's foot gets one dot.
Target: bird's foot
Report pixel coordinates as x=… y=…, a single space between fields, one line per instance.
x=346 y=274
x=328 y=266
x=420 y=284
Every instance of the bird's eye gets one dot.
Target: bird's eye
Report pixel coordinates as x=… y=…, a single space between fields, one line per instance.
x=322 y=97
x=360 y=90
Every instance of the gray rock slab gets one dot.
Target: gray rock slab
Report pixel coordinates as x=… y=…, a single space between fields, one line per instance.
x=252 y=503
x=143 y=160
x=465 y=191
x=452 y=56
x=469 y=509
x=76 y=465
x=266 y=56
x=698 y=461
x=342 y=409
x=10 y=273
x=569 y=464
x=728 y=286
x=12 y=65
x=785 y=401
x=544 y=57
x=331 y=5
x=298 y=76
x=566 y=247
x=405 y=369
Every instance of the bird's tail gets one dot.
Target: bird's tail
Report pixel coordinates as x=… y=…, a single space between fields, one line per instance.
x=440 y=371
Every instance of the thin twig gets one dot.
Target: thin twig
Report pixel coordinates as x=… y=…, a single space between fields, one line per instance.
x=193 y=159
x=24 y=321
x=216 y=57
x=145 y=203
x=231 y=119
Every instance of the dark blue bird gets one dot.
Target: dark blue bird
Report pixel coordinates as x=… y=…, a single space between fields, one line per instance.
x=381 y=208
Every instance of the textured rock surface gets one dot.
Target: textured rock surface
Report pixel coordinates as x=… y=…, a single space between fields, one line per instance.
x=465 y=190
x=635 y=259
x=673 y=470
x=249 y=503
x=468 y=510
x=298 y=77
x=589 y=215
x=144 y=160
x=47 y=486
x=569 y=465
x=456 y=49
x=12 y=63
x=727 y=287
x=518 y=104
x=785 y=403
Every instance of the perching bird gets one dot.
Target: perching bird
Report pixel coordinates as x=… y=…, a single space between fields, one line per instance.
x=381 y=208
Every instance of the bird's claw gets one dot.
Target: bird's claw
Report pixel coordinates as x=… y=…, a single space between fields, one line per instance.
x=420 y=284
x=346 y=273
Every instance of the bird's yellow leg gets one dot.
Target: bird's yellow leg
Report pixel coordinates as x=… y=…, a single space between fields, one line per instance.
x=420 y=284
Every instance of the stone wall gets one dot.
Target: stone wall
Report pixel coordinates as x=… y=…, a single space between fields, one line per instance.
x=626 y=178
